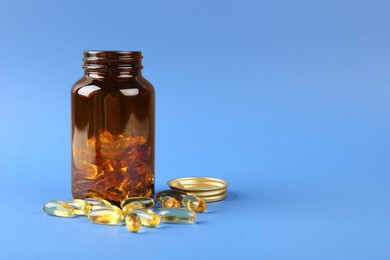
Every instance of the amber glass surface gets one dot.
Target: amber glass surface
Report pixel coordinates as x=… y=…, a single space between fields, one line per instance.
x=113 y=122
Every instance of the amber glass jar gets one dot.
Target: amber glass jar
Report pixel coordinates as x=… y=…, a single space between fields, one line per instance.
x=113 y=121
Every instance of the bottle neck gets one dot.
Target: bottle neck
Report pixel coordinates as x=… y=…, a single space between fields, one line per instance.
x=112 y=64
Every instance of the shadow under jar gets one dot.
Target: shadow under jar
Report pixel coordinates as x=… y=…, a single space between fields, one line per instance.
x=113 y=122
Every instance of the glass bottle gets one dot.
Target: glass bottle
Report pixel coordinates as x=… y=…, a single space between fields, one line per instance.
x=113 y=122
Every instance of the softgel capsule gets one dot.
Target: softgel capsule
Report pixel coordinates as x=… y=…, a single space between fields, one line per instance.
x=148 y=217
x=130 y=207
x=177 y=194
x=81 y=207
x=146 y=201
x=177 y=216
x=194 y=203
x=58 y=208
x=169 y=202
x=133 y=222
x=105 y=214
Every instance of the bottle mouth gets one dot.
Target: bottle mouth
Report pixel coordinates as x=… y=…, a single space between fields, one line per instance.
x=103 y=60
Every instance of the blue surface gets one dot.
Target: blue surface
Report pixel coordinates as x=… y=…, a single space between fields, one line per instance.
x=288 y=100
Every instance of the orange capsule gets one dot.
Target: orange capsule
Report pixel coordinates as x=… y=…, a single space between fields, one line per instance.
x=133 y=222
x=195 y=203
x=169 y=202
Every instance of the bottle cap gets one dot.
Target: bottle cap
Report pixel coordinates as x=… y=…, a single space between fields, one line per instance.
x=210 y=189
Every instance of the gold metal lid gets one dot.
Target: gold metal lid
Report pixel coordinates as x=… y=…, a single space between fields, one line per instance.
x=215 y=198
x=210 y=189
x=197 y=183
x=206 y=193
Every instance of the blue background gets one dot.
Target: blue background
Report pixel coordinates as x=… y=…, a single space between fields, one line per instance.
x=288 y=100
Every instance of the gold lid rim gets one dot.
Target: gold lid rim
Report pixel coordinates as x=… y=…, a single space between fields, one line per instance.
x=198 y=184
x=215 y=198
x=207 y=193
x=196 y=190
x=208 y=188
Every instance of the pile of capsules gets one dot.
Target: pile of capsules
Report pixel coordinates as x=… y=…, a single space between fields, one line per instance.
x=134 y=212
x=113 y=167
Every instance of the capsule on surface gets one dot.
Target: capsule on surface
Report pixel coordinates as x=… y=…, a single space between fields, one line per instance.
x=177 y=194
x=97 y=201
x=131 y=206
x=148 y=202
x=58 y=208
x=105 y=214
x=148 y=217
x=195 y=203
x=81 y=207
x=177 y=216
x=133 y=222
x=169 y=202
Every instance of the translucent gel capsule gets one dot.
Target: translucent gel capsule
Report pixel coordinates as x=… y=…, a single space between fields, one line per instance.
x=177 y=194
x=133 y=222
x=105 y=214
x=148 y=217
x=169 y=202
x=58 y=208
x=148 y=202
x=130 y=207
x=177 y=216
x=97 y=202
x=81 y=207
x=195 y=203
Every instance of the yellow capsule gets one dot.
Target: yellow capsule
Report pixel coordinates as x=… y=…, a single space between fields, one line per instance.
x=58 y=208
x=195 y=203
x=97 y=201
x=177 y=194
x=133 y=222
x=105 y=214
x=81 y=207
x=169 y=202
x=148 y=217
x=177 y=216
x=130 y=207
x=148 y=202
